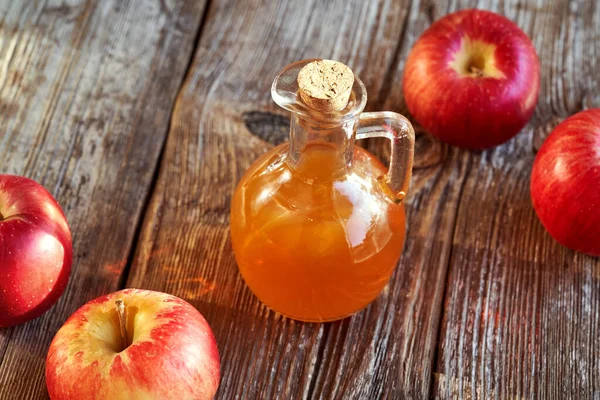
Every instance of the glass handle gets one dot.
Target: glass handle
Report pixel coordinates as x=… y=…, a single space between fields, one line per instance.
x=402 y=135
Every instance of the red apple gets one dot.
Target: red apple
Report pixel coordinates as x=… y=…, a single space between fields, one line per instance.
x=565 y=182
x=35 y=250
x=472 y=79
x=134 y=344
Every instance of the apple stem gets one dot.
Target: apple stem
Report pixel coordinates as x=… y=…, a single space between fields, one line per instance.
x=122 y=312
x=476 y=71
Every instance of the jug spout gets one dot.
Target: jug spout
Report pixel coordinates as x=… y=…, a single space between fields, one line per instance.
x=307 y=102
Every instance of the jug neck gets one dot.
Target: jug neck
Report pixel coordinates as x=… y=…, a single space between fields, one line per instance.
x=334 y=141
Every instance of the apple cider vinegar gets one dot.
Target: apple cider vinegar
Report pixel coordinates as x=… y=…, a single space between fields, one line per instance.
x=313 y=246
x=317 y=224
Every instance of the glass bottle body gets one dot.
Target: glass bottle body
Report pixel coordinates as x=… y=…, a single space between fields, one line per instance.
x=315 y=239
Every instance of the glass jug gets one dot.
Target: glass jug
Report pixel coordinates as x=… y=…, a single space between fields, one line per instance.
x=317 y=223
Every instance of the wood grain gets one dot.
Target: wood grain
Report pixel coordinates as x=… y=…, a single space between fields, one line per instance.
x=521 y=313
x=484 y=304
x=220 y=124
x=86 y=91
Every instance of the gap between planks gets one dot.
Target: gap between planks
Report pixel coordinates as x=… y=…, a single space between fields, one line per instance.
x=155 y=174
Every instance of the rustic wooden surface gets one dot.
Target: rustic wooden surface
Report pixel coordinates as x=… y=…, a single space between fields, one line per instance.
x=483 y=304
x=86 y=94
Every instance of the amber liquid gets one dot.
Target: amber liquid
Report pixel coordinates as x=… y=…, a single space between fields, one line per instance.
x=315 y=241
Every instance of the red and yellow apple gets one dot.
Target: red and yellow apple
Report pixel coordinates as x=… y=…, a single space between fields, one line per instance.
x=565 y=182
x=472 y=79
x=35 y=250
x=134 y=344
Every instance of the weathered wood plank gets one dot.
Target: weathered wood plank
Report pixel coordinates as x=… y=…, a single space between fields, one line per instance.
x=522 y=314
x=386 y=351
x=86 y=91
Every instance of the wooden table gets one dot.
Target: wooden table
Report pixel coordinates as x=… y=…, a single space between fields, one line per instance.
x=141 y=116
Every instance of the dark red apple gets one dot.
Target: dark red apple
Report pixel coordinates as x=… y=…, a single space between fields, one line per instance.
x=35 y=250
x=565 y=182
x=472 y=79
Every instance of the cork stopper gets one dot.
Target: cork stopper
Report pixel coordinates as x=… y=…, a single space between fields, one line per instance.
x=325 y=85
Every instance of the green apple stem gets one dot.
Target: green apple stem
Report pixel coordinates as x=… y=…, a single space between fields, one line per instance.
x=122 y=312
